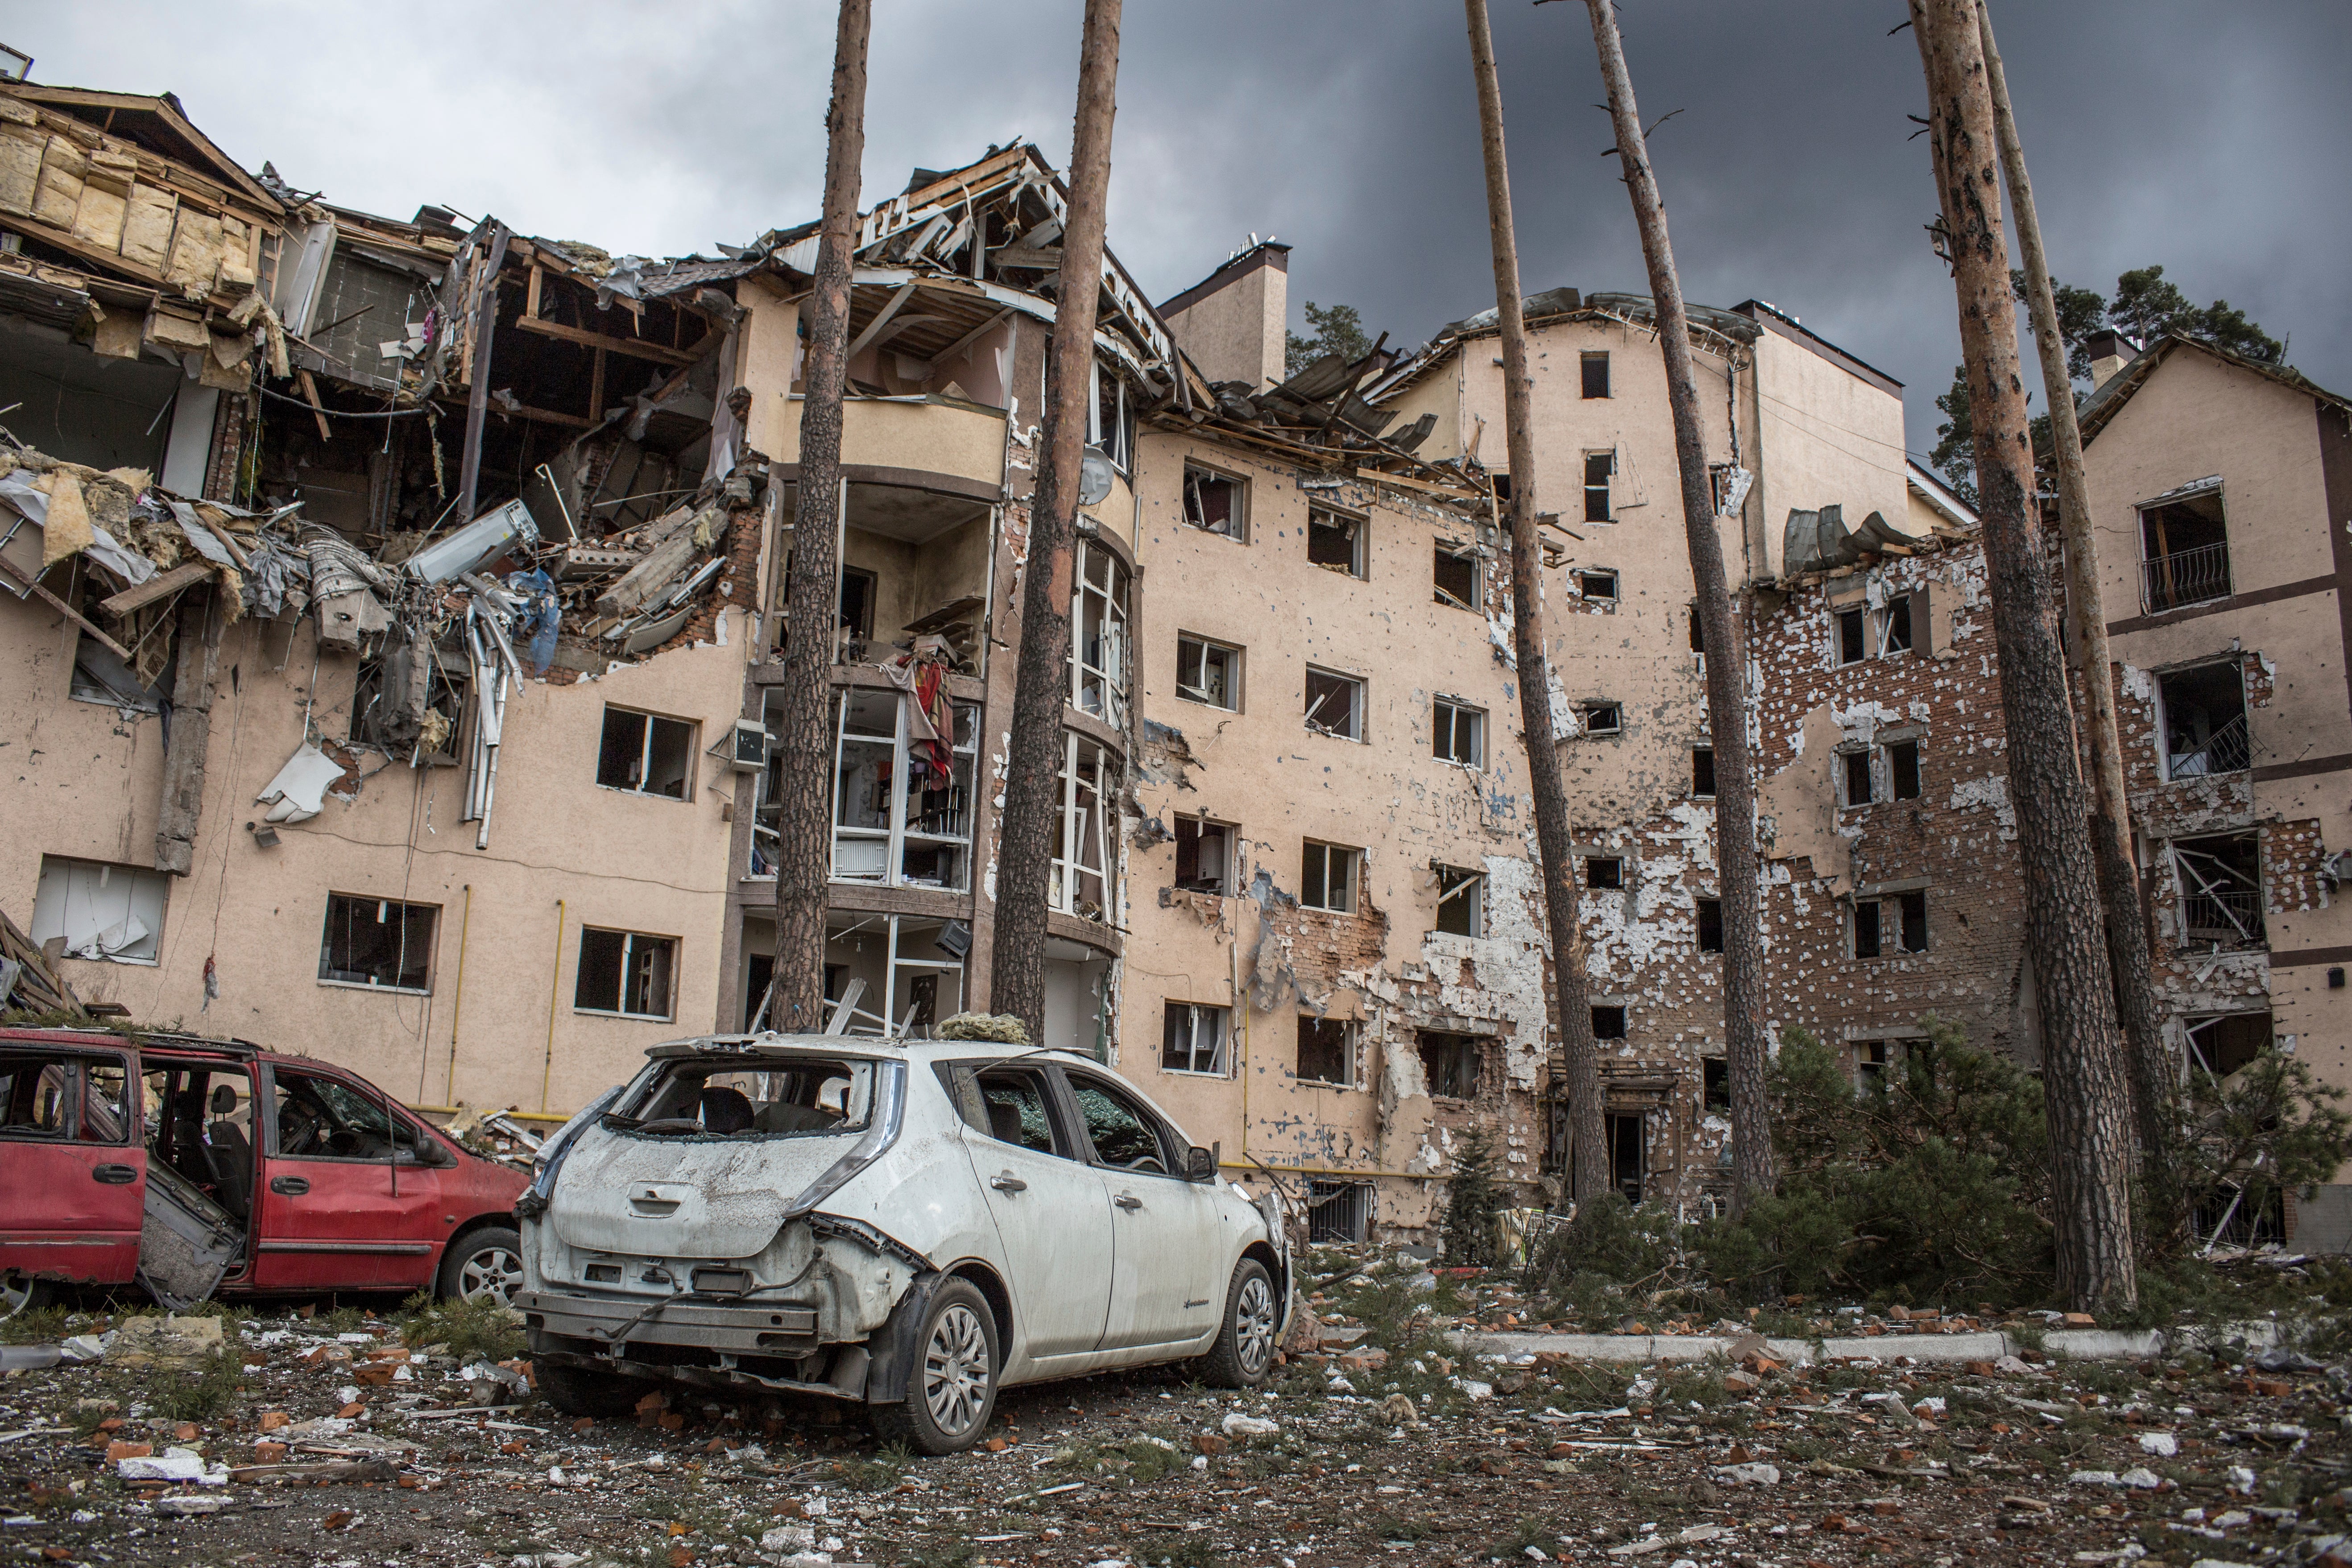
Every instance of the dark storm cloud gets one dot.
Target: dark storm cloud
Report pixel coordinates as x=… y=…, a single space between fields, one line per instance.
x=2211 y=138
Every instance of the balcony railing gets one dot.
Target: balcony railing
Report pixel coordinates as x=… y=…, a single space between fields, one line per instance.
x=2227 y=750
x=2185 y=577
x=2227 y=917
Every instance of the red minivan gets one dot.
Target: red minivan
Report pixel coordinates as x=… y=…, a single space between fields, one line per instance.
x=191 y=1165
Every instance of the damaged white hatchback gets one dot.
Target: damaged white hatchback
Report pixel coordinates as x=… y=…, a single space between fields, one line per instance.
x=908 y=1224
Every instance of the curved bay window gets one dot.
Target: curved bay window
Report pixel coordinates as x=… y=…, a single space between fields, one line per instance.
x=1088 y=783
x=1098 y=635
x=902 y=792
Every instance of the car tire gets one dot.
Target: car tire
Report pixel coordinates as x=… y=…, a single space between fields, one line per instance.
x=1242 y=1356
x=584 y=1391
x=23 y=1293
x=952 y=1387
x=485 y=1262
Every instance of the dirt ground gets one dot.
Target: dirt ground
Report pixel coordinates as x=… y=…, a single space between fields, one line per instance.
x=1378 y=1446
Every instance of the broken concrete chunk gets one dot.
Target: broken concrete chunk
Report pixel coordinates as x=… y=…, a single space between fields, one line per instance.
x=1750 y=1474
x=151 y=1340
x=1237 y=1424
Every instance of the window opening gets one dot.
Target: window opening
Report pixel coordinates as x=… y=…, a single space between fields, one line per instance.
x=1596 y=587
x=1456 y=576
x=859 y=590
x=1702 y=770
x=1328 y=877
x=1110 y=424
x=1609 y=1023
x=1871 y=1060
x=1335 y=703
x=890 y=974
x=2220 y=889
x=1326 y=1052
x=1212 y=502
x=1602 y=717
x=1098 y=635
x=625 y=972
x=1081 y=872
x=1627 y=1164
x=1855 y=765
x=1209 y=672
x=1894 y=627
x=1203 y=856
x=2184 y=553
x=902 y=792
x=1896 y=923
x=1710 y=925
x=645 y=753
x=1337 y=1213
x=1451 y=1065
x=1461 y=902
x=1604 y=871
x=1598 y=469
x=1902 y=768
x=1458 y=732
x=100 y=677
x=1715 y=1088
x=2205 y=720
x=103 y=911
x=1014 y=1101
x=1698 y=629
x=1852 y=645
x=1596 y=375
x=377 y=942
x=1192 y=1039
x=2221 y=1046
x=1335 y=540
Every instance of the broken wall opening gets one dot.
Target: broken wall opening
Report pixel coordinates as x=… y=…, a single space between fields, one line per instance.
x=894 y=974
x=914 y=563
x=2184 y=552
x=2224 y=1044
x=2205 y=720
x=1078 y=999
x=901 y=792
x=2221 y=883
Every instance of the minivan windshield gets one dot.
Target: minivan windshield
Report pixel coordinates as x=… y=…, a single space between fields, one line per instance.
x=722 y=1098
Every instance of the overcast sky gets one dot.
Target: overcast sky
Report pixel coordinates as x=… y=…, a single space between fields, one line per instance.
x=2212 y=138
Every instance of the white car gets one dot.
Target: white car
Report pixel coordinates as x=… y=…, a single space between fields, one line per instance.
x=910 y=1225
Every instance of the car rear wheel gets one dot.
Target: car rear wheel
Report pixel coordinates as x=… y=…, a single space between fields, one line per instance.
x=584 y=1391
x=485 y=1263
x=952 y=1387
x=1244 y=1353
x=23 y=1293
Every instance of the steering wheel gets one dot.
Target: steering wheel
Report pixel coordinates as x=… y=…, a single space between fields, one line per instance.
x=346 y=1141
x=300 y=1129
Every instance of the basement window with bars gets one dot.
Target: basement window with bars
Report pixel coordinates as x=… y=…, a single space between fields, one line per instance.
x=626 y=973
x=1215 y=502
x=1455 y=578
x=1335 y=704
x=1335 y=540
x=1326 y=1052
x=1204 y=856
x=1461 y=900
x=1327 y=876
x=1452 y=1066
x=645 y=753
x=1458 y=732
x=1209 y=672
x=1710 y=925
x=1337 y=1213
x=1193 y=1039
x=379 y=942
x=1896 y=923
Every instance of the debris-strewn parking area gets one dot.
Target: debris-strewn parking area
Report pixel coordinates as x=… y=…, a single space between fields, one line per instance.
x=409 y=1436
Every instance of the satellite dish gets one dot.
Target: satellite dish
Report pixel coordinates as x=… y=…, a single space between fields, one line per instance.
x=1093 y=477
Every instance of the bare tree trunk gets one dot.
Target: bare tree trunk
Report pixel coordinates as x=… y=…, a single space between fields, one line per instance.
x=804 y=818
x=1031 y=818
x=2083 y=1095
x=1720 y=629
x=1589 y=1171
x=2128 y=952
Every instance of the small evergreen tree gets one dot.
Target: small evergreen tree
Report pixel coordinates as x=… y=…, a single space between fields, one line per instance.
x=1338 y=330
x=1472 y=1202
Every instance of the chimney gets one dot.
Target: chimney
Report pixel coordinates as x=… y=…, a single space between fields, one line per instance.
x=2110 y=350
x=1235 y=321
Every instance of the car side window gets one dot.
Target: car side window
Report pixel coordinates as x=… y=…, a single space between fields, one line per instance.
x=1015 y=1102
x=35 y=1096
x=1121 y=1132
x=323 y=1119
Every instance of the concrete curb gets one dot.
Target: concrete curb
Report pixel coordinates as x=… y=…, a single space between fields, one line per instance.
x=2068 y=1344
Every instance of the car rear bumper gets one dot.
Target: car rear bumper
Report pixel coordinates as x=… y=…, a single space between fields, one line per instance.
x=609 y=1323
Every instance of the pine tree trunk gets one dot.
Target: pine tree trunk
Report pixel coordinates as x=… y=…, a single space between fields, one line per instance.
x=1589 y=1171
x=2085 y=1101
x=1720 y=628
x=2127 y=951
x=804 y=817
x=1032 y=819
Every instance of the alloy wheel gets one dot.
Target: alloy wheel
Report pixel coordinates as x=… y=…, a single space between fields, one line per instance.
x=494 y=1272
x=956 y=1372
x=15 y=1294
x=1254 y=1324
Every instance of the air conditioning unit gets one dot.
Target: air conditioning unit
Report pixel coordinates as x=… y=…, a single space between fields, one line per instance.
x=750 y=753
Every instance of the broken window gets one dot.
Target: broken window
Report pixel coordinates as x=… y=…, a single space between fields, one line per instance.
x=1213 y=502
x=1328 y=877
x=1337 y=1213
x=1203 y=856
x=102 y=912
x=99 y=676
x=1081 y=872
x=374 y=705
x=1894 y=627
x=2184 y=551
x=1599 y=466
x=1853 y=639
x=1714 y=1083
x=2205 y=720
x=1871 y=1060
x=1628 y=1163
x=1456 y=576
x=1098 y=635
x=1896 y=923
x=1209 y=672
x=893 y=975
x=377 y=942
x=1461 y=900
x=1326 y=1052
x=1459 y=732
x=1192 y=1039
x=1903 y=769
x=1335 y=540
x=1702 y=770
x=2221 y=1046
x=1602 y=718
x=1710 y=925
x=1609 y=1022
x=1110 y=422
x=1596 y=375
x=625 y=972
x=1604 y=871
x=859 y=590
x=1451 y=1065
x=901 y=793
x=2221 y=883
x=646 y=753
x=1335 y=703
x=1596 y=587
x=1853 y=769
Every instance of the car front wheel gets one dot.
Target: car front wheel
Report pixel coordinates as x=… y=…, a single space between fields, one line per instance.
x=952 y=1387
x=483 y=1264
x=1244 y=1353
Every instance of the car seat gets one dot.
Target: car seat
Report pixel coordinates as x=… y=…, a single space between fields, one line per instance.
x=230 y=1154
x=725 y=1111
x=1004 y=1122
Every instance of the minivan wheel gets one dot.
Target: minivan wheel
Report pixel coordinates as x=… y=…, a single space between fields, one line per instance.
x=952 y=1387
x=1244 y=1353
x=23 y=1293
x=485 y=1263
x=584 y=1391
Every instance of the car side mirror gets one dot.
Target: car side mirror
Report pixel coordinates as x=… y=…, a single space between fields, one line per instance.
x=1201 y=1164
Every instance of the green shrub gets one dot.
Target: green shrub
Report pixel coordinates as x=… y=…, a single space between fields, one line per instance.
x=1472 y=1203
x=198 y=1395
x=477 y=1330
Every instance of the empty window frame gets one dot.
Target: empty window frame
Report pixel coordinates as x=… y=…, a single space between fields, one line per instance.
x=1871 y=1060
x=2205 y=720
x=1455 y=576
x=625 y=973
x=1111 y=422
x=645 y=753
x=1458 y=732
x=1698 y=629
x=1602 y=718
x=1326 y=1052
x=1703 y=772
x=1335 y=703
x=1452 y=1066
x=1894 y=924
x=2221 y=1046
x=1894 y=627
x=2184 y=553
x=1461 y=900
x=377 y=942
x=1596 y=375
x=1856 y=785
x=1714 y=1083
x=1609 y=1022
x=101 y=677
x=1088 y=788
x=1098 y=635
x=902 y=796
x=1215 y=502
x=2220 y=882
x=1604 y=871
x=860 y=589
x=1628 y=1154
x=1853 y=635
x=1335 y=540
x=1710 y=925
x=1204 y=856
x=1903 y=769
x=1327 y=874
x=1595 y=585
x=1192 y=1039
x=1337 y=1213
x=1599 y=467
x=1209 y=672
x=103 y=911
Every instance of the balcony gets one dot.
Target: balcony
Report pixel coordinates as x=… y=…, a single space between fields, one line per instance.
x=2185 y=577
x=2184 y=546
x=2221 y=883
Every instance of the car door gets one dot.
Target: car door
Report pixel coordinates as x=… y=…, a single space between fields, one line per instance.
x=337 y=1212
x=1051 y=1213
x=1163 y=1287
x=76 y=1175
